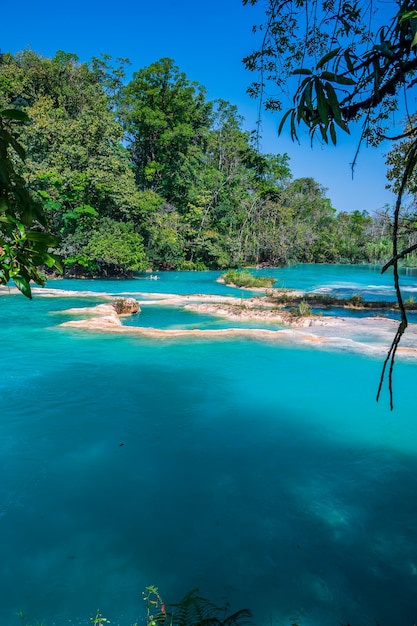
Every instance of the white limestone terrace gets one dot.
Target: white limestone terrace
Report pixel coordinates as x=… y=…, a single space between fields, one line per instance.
x=365 y=335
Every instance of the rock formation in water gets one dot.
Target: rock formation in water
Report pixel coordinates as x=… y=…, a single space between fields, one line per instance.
x=126 y=306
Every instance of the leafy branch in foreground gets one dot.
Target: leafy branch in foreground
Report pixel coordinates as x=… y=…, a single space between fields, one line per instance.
x=344 y=62
x=409 y=169
x=24 y=242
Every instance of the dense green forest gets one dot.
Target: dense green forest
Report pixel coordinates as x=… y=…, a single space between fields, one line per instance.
x=148 y=173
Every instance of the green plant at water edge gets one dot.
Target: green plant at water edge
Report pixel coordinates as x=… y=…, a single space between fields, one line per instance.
x=356 y=300
x=23 y=621
x=246 y=279
x=192 y=610
x=282 y=298
x=155 y=606
x=303 y=309
x=99 y=620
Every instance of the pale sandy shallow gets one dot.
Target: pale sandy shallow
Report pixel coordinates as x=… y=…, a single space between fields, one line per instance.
x=371 y=335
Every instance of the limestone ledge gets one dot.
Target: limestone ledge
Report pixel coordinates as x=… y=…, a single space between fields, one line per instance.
x=370 y=335
x=50 y=292
x=367 y=335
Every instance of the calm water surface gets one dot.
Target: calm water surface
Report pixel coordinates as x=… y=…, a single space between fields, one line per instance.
x=266 y=476
x=343 y=280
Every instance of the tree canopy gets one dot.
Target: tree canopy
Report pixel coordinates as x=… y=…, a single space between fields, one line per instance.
x=123 y=176
x=148 y=173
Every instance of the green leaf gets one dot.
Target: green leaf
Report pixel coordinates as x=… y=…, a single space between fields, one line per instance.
x=328 y=76
x=322 y=105
x=333 y=102
x=408 y=15
x=16 y=145
x=303 y=83
x=293 y=131
x=348 y=60
x=343 y=80
x=3 y=205
x=301 y=112
x=44 y=238
x=303 y=71
x=308 y=96
x=283 y=120
x=343 y=126
x=323 y=130
x=333 y=133
x=14 y=114
x=44 y=194
x=23 y=286
x=328 y=57
x=53 y=261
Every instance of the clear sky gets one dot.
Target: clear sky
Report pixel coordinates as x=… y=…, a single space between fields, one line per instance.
x=207 y=40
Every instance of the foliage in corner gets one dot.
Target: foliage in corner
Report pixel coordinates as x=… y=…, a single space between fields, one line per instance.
x=344 y=62
x=24 y=241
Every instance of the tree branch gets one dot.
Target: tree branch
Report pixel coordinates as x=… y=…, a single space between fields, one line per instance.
x=411 y=161
x=399 y=256
x=349 y=111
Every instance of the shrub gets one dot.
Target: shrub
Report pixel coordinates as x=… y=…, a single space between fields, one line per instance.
x=246 y=279
x=303 y=309
x=356 y=300
x=195 y=266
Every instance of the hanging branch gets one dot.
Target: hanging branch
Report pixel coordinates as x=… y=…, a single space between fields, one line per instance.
x=411 y=163
x=344 y=70
x=399 y=256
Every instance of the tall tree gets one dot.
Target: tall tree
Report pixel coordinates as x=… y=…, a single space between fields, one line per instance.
x=218 y=197
x=75 y=157
x=167 y=118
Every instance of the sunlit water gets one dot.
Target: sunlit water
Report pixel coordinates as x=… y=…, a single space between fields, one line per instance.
x=266 y=476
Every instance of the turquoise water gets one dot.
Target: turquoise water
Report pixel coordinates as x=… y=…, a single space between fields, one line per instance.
x=265 y=475
x=346 y=280
x=340 y=280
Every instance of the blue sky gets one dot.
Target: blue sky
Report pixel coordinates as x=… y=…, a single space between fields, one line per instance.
x=207 y=40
